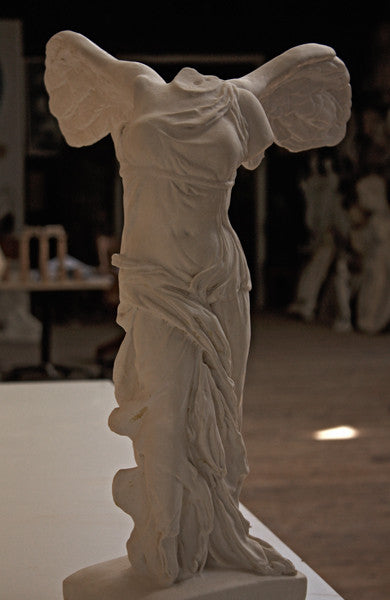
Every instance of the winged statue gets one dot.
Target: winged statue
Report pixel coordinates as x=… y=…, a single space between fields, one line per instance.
x=183 y=278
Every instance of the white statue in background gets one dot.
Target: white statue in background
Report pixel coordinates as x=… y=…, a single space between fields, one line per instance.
x=371 y=240
x=328 y=225
x=184 y=282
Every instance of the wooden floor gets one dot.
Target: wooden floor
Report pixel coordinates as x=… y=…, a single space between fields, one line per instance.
x=328 y=500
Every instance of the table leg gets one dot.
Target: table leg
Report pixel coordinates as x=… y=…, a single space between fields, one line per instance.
x=47 y=312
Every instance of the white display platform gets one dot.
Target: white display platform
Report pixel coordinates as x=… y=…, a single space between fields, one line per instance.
x=114 y=580
x=57 y=516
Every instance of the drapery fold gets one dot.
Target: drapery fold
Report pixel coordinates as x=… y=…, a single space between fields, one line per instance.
x=183 y=416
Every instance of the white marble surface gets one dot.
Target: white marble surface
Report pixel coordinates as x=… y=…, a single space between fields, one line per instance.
x=183 y=279
x=115 y=580
x=57 y=513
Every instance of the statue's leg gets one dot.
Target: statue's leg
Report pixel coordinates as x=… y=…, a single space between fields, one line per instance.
x=165 y=495
x=234 y=317
x=312 y=278
x=231 y=545
x=373 y=305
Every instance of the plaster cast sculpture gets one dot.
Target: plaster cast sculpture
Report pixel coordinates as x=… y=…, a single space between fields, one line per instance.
x=371 y=240
x=328 y=225
x=184 y=282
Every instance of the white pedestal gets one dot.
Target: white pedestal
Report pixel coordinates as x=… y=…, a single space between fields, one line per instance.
x=58 y=458
x=115 y=580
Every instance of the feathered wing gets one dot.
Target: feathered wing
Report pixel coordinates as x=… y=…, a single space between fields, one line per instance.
x=306 y=96
x=90 y=91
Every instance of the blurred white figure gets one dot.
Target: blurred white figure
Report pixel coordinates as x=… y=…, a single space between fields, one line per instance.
x=17 y=324
x=328 y=225
x=372 y=242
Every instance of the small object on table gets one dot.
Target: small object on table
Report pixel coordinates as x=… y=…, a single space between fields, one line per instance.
x=43 y=234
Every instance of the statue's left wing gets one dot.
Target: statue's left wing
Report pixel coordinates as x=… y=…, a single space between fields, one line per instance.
x=305 y=94
x=90 y=91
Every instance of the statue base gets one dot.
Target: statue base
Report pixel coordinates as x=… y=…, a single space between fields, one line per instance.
x=115 y=580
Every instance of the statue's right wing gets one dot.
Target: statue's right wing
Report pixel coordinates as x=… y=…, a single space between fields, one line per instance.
x=90 y=91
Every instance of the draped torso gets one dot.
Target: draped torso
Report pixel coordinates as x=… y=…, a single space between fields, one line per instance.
x=178 y=157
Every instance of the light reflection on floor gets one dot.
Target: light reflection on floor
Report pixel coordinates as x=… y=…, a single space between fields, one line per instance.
x=343 y=432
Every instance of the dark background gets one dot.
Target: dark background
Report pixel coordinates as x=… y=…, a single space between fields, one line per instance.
x=207 y=26
x=71 y=186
